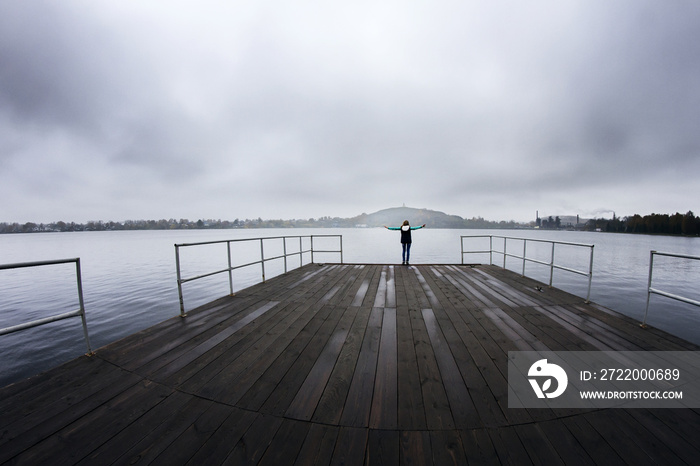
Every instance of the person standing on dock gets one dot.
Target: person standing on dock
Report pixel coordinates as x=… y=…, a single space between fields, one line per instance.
x=405 y=239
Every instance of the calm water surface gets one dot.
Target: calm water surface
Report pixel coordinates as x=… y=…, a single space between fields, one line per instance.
x=129 y=278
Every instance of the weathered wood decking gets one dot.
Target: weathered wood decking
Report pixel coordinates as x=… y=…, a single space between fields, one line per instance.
x=344 y=364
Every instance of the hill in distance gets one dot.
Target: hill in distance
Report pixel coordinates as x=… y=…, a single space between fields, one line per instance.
x=394 y=217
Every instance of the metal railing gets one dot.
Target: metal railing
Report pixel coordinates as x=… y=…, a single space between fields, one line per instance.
x=231 y=267
x=651 y=290
x=47 y=320
x=491 y=251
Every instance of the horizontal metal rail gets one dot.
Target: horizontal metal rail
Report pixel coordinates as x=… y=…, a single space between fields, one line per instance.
x=666 y=294
x=263 y=259
x=55 y=318
x=552 y=266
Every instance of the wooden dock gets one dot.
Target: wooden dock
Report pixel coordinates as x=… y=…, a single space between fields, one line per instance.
x=344 y=364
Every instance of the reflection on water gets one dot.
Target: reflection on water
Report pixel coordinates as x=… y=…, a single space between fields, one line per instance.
x=129 y=277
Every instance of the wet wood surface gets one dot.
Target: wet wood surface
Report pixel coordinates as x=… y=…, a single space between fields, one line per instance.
x=344 y=364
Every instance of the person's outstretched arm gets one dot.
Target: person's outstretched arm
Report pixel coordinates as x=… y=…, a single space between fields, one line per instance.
x=392 y=228
x=416 y=228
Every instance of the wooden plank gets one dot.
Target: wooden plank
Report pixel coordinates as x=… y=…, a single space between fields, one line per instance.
x=330 y=406
x=427 y=290
x=383 y=448
x=648 y=441
x=318 y=446
x=383 y=414
x=363 y=286
x=478 y=447
x=350 y=447
x=318 y=380
x=221 y=443
x=508 y=446
x=358 y=404
x=390 y=288
x=187 y=353
x=664 y=425
x=411 y=411
x=592 y=441
x=537 y=445
x=627 y=444
x=361 y=292
x=415 y=447
x=148 y=345
x=286 y=443
x=415 y=293
x=48 y=398
x=221 y=364
x=279 y=400
x=25 y=395
x=197 y=433
x=254 y=443
x=481 y=339
x=456 y=331
x=126 y=440
x=212 y=375
x=461 y=405
x=488 y=282
x=380 y=297
x=565 y=443
x=79 y=438
x=308 y=396
x=350 y=287
x=447 y=447
x=163 y=440
x=255 y=384
x=37 y=428
x=437 y=407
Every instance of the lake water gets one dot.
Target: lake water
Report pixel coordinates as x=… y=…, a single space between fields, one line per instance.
x=129 y=277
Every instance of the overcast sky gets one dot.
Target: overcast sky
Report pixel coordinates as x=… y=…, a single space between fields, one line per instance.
x=116 y=110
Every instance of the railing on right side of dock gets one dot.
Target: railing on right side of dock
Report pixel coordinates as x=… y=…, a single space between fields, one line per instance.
x=491 y=251
x=310 y=249
x=666 y=294
x=47 y=320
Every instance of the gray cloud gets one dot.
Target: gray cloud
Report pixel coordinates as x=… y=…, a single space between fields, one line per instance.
x=118 y=110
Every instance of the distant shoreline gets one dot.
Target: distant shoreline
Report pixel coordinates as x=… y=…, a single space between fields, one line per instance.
x=676 y=225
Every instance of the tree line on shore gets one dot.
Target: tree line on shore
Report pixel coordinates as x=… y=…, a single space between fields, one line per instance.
x=185 y=224
x=677 y=224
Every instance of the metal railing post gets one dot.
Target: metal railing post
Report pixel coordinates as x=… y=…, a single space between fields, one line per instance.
x=58 y=317
x=82 y=306
x=551 y=267
x=230 y=270
x=651 y=268
x=312 y=249
x=524 y=255
x=490 y=249
x=590 y=276
x=179 y=281
x=284 y=251
x=262 y=258
x=505 y=250
x=301 y=252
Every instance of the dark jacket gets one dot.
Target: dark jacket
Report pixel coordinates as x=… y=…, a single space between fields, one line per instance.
x=405 y=232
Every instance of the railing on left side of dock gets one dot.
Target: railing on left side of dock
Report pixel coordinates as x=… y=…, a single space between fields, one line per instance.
x=47 y=320
x=491 y=251
x=310 y=250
